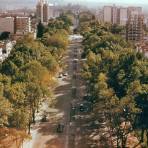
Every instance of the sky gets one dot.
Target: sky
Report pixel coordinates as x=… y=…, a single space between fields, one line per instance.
x=120 y=1
x=31 y=3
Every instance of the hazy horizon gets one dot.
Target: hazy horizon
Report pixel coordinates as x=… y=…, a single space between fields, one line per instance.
x=14 y=4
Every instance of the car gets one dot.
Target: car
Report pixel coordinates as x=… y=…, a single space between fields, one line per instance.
x=75 y=60
x=60 y=128
x=85 y=106
x=82 y=107
x=60 y=76
x=65 y=74
x=44 y=119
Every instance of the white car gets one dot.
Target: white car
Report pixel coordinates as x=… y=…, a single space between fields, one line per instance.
x=65 y=74
x=60 y=76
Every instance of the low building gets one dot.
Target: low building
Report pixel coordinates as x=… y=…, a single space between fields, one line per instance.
x=7 y=24
x=143 y=48
x=5 y=49
x=22 y=25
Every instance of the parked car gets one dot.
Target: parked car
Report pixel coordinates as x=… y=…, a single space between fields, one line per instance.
x=65 y=74
x=60 y=76
x=60 y=128
x=44 y=119
x=85 y=106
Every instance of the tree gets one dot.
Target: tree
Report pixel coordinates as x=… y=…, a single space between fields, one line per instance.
x=116 y=76
x=4 y=35
x=40 y=30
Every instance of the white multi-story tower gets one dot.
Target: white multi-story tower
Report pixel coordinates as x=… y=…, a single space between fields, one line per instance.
x=134 y=10
x=107 y=14
x=114 y=14
x=123 y=16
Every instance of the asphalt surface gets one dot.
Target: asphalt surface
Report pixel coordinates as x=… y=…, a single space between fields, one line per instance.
x=44 y=134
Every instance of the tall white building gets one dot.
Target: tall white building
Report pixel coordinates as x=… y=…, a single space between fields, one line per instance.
x=114 y=14
x=51 y=11
x=99 y=15
x=7 y=24
x=123 y=16
x=107 y=14
x=134 y=11
x=118 y=15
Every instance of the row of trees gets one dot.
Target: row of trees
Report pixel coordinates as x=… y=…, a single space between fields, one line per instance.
x=26 y=76
x=116 y=78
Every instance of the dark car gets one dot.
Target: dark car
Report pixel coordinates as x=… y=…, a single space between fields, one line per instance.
x=85 y=107
x=44 y=119
x=60 y=128
x=82 y=107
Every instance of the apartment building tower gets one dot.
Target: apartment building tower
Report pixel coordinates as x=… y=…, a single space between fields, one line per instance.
x=39 y=10
x=42 y=11
x=123 y=16
x=107 y=14
x=119 y=15
x=45 y=12
x=134 y=10
x=135 y=28
x=114 y=15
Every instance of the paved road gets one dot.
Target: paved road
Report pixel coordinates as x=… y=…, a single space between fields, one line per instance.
x=44 y=135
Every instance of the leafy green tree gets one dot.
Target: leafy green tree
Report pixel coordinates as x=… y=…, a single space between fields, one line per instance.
x=40 y=30
x=4 y=35
x=5 y=108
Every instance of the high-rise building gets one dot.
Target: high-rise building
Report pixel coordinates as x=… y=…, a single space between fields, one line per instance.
x=51 y=11
x=99 y=15
x=114 y=14
x=134 y=11
x=107 y=14
x=135 y=28
x=22 y=25
x=119 y=15
x=39 y=10
x=42 y=11
x=45 y=12
x=7 y=24
x=123 y=16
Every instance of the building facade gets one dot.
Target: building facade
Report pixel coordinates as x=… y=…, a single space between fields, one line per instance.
x=135 y=28
x=119 y=15
x=7 y=24
x=107 y=14
x=134 y=10
x=39 y=10
x=22 y=25
x=123 y=17
x=45 y=12
x=114 y=15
